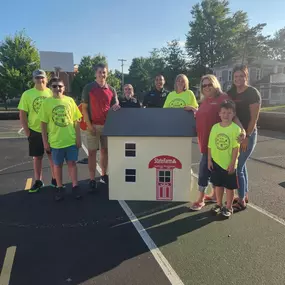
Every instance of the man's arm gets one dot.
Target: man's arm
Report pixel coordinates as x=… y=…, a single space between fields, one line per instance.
x=115 y=104
x=24 y=122
x=44 y=136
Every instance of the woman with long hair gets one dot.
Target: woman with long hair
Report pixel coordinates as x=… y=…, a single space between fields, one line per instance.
x=248 y=103
x=207 y=116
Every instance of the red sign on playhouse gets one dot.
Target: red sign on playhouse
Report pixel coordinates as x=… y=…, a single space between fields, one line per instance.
x=165 y=161
x=164 y=165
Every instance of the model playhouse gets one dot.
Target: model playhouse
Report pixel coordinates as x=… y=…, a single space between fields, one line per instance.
x=150 y=154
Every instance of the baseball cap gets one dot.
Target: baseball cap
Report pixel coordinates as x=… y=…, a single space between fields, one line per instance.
x=39 y=72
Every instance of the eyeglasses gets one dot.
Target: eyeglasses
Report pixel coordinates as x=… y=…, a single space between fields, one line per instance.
x=207 y=85
x=55 y=86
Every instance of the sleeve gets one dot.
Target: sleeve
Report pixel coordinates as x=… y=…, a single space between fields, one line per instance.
x=138 y=103
x=145 y=99
x=193 y=101
x=76 y=112
x=43 y=113
x=235 y=137
x=168 y=100
x=115 y=96
x=23 y=104
x=85 y=94
x=254 y=96
x=211 y=137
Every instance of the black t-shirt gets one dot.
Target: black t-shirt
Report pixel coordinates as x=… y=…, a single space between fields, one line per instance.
x=243 y=100
x=129 y=103
x=155 y=98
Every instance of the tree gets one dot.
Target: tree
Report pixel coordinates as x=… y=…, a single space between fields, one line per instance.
x=214 y=33
x=18 y=59
x=86 y=74
x=277 y=45
x=175 y=62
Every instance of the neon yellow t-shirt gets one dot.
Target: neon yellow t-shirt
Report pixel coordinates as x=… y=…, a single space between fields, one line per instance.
x=222 y=141
x=31 y=102
x=60 y=115
x=180 y=100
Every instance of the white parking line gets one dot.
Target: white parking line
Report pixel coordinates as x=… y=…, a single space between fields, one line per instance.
x=157 y=254
x=7 y=265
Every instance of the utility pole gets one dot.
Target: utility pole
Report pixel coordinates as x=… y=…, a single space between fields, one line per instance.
x=122 y=60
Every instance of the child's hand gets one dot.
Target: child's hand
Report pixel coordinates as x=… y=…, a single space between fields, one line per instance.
x=47 y=147
x=231 y=169
x=210 y=165
x=78 y=143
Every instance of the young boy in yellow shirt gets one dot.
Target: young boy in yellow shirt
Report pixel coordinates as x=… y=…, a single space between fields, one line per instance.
x=59 y=117
x=223 y=150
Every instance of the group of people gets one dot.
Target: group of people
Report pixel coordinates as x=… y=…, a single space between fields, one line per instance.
x=226 y=128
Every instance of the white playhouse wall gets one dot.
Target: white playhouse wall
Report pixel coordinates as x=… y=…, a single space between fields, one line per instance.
x=147 y=148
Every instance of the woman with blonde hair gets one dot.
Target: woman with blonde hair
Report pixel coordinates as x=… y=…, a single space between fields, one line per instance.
x=181 y=97
x=206 y=116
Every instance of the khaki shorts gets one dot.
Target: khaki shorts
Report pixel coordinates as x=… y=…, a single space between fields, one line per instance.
x=93 y=141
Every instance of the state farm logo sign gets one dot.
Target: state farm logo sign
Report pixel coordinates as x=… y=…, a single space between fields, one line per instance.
x=165 y=161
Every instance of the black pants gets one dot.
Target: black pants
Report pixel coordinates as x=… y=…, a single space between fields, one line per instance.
x=36 y=146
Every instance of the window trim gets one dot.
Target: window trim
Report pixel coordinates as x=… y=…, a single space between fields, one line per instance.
x=129 y=151
x=131 y=175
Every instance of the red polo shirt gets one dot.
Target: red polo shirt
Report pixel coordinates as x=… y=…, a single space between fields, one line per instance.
x=99 y=100
x=207 y=116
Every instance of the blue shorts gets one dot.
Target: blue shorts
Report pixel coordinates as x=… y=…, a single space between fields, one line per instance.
x=68 y=153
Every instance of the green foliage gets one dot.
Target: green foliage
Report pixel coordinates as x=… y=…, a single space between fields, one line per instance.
x=277 y=45
x=86 y=74
x=18 y=59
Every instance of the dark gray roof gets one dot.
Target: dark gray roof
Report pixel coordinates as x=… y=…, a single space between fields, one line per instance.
x=150 y=122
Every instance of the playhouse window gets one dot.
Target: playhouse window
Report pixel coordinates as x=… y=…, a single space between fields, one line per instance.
x=164 y=176
x=130 y=149
x=130 y=175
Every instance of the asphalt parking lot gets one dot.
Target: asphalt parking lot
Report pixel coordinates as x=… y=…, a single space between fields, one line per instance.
x=94 y=241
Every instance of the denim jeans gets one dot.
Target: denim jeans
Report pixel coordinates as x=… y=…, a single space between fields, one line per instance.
x=204 y=173
x=241 y=168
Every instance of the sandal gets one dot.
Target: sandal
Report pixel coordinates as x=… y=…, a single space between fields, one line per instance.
x=197 y=206
x=237 y=207
x=236 y=199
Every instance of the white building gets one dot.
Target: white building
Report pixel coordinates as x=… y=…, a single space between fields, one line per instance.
x=150 y=154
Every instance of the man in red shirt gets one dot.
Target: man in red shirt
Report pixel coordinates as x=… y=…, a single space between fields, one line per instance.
x=97 y=99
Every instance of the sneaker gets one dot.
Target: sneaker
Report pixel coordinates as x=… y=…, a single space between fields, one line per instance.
x=227 y=212
x=197 y=206
x=104 y=179
x=76 y=192
x=59 y=194
x=36 y=187
x=92 y=186
x=216 y=210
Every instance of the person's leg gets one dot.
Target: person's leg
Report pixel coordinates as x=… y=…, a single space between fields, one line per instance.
x=219 y=195
x=58 y=159
x=241 y=169
x=103 y=156
x=71 y=158
x=230 y=198
x=203 y=181
x=36 y=150
x=92 y=145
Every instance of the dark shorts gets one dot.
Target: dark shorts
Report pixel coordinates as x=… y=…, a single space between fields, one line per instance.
x=60 y=154
x=221 y=178
x=36 y=146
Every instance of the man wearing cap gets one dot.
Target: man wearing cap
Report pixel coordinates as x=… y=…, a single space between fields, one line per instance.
x=29 y=107
x=157 y=96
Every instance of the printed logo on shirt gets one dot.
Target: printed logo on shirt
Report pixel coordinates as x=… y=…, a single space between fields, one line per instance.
x=177 y=103
x=37 y=103
x=163 y=94
x=222 y=142
x=61 y=116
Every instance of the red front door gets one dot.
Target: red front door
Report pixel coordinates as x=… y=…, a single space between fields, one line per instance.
x=164 y=184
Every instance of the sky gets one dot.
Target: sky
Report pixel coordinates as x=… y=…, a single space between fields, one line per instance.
x=117 y=28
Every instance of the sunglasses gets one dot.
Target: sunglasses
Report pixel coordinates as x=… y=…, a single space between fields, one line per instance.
x=207 y=85
x=55 y=86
